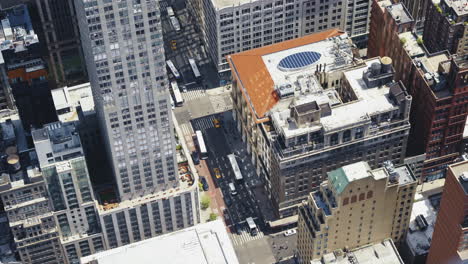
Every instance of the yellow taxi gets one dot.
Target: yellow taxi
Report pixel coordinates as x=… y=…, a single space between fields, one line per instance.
x=216 y=123
x=217 y=173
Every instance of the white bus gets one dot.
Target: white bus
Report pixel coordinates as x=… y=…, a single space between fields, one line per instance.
x=194 y=67
x=170 y=11
x=173 y=69
x=175 y=23
x=235 y=167
x=177 y=96
x=201 y=145
x=252 y=226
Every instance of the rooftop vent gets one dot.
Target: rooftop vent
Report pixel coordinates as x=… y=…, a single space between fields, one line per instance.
x=393 y=175
x=285 y=90
x=464 y=176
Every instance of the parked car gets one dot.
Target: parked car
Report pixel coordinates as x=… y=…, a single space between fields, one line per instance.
x=204 y=183
x=227 y=200
x=290 y=232
x=195 y=158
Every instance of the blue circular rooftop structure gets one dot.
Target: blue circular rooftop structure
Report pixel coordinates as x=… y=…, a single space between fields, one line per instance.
x=298 y=61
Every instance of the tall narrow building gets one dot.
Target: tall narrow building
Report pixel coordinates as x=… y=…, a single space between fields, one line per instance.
x=123 y=48
x=450 y=238
x=355 y=207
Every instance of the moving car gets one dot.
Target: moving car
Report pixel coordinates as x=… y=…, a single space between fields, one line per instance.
x=232 y=188
x=290 y=232
x=217 y=173
x=216 y=123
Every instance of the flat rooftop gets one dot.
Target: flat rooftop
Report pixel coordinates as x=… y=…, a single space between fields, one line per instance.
x=419 y=239
x=460 y=171
x=220 y=4
x=265 y=72
x=206 y=243
x=341 y=177
x=460 y=7
x=67 y=99
x=399 y=13
x=384 y=252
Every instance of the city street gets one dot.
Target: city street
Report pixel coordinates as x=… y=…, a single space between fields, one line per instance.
x=186 y=44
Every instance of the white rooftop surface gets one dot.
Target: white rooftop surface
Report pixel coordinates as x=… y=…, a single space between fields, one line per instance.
x=326 y=48
x=419 y=240
x=370 y=102
x=357 y=171
x=355 y=113
x=379 y=253
x=205 y=243
x=72 y=97
x=229 y=3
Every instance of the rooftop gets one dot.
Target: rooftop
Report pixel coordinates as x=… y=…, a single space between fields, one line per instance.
x=67 y=99
x=399 y=13
x=203 y=243
x=459 y=7
x=220 y=4
x=419 y=235
x=16 y=31
x=460 y=171
x=261 y=76
x=373 y=93
x=384 y=252
x=341 y=177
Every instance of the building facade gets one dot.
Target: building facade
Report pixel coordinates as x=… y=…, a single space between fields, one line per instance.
x=61 y=159
x=230 y=27
x=446 y=26
x=62 y=39
x=355 y=207
x=123 y=47
x=436 y=81
x=301 y=121
x=449 y=240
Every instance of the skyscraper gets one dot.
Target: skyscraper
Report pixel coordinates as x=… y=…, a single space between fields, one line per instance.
x=123 y=48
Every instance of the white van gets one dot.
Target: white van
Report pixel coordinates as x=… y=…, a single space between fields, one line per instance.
x=232 y=188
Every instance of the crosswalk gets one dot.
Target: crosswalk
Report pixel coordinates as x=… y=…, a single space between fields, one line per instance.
x=244 y=237
x=194 y=94
x=186 y=129
x=203 y=123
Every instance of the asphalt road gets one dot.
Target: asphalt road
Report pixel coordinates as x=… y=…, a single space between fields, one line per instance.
x=243 y=204
x=184 y=44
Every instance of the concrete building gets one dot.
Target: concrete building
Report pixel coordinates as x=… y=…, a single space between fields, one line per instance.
x=203 y=243
x=355 y=207
x=26 y=84
x=446 y=26
x=75 y=104
x=61 y=159
x=383 y=252
x=308 y=106
x=418 y=10
x=230 y=27
x=123 y=47
x=416 y=246
x=438 y=113
x=62 y=40
x=450 y=238
x=24 y=194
